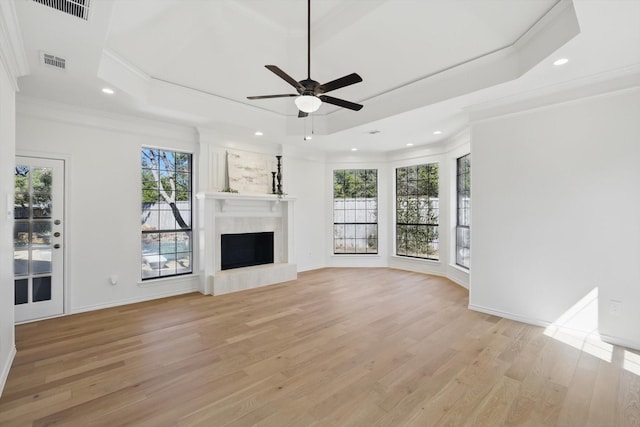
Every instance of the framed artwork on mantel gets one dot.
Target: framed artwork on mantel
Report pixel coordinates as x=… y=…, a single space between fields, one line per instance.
x=248 y=173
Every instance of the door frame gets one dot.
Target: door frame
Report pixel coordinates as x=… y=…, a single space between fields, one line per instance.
x=66 y=288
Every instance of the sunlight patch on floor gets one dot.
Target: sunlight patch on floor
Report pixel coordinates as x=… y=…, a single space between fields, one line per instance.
x=578 y=327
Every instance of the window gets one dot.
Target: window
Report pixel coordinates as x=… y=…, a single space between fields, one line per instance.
x=355 y=211
x=417 y=211
x=167 y=248
x=463 y=222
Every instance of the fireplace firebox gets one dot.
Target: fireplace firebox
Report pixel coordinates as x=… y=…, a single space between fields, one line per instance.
x=246 y=249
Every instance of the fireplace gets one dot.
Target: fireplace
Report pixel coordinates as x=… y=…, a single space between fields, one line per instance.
x=246 y=249
x=245 y=218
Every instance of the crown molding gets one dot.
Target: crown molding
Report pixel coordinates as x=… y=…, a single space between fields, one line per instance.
x=574 y=90
x=12 y=55
x=558 y=26
x=64 y=113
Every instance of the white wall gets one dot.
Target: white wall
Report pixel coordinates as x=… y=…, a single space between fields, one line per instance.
x=7 y=150
x=556 y=203
x=102 y=234
x=303 y=178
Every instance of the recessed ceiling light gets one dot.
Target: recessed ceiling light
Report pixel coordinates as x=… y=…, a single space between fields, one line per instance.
x=438 y=132
x=107 y=90
x=354 y=149
x=308 y=138
x=409 y=145
x=560 y=61
x=258 y=133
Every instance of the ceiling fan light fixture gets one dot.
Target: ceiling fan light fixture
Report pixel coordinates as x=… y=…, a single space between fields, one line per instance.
x=312 y=94
x=308 y=103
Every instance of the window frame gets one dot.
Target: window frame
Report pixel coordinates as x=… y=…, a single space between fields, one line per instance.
x=463 y=213
x=365 y=211
x=423 y=215
x=189 y=230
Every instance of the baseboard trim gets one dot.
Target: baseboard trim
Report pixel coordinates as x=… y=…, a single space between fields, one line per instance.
x=456 y=281
x=409 y=265
x=6 y=368
x=510 y=316
x=620 y=342
x=86 y=308
x=544 y=324
x=458 y=275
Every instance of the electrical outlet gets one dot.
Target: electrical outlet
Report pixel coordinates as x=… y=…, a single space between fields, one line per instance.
x=615 y=307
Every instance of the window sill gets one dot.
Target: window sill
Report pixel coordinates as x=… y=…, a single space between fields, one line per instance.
x=165 y=280
x=416 y=259
x=355 y=255
x=459 y=268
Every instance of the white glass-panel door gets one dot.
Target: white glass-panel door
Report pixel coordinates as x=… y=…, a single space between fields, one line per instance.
x=38 y=238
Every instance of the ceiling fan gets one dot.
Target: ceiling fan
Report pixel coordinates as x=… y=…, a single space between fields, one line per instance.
x=311 y=94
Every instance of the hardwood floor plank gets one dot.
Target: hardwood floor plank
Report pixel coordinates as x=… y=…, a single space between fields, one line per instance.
x=602 y=410
x=628 y=411
x=337 y=347
x=578 y=400
x=494 y=408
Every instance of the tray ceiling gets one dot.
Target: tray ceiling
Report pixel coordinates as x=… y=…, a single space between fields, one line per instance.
x=195 y=62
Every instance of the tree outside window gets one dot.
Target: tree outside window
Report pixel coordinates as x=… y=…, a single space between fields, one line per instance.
x=417 y=211
x=463 y=221
x=166 y=213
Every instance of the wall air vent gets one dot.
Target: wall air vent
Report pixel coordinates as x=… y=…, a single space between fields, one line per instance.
x=77 y=8
x=53 y=61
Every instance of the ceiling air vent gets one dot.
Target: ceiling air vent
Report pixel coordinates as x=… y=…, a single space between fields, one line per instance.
x=77 y=8
x=53 y=61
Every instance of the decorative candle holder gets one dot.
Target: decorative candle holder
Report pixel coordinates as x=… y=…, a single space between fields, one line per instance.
x=273 y=182
x=279 y=175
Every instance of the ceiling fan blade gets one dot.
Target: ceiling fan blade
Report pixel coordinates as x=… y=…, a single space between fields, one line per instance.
x=272 y=96
x=302 y=114
x=286 y=77
x=352 y=78
x=341 y=102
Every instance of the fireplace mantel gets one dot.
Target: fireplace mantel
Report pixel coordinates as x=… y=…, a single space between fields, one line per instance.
x=238 y=196
x=227 y=201
x=221 y=213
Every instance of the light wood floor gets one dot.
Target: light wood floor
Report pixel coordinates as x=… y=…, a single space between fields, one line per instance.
x=338 y=347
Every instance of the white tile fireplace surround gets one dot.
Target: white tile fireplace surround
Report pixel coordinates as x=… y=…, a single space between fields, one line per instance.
x=228 y=213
